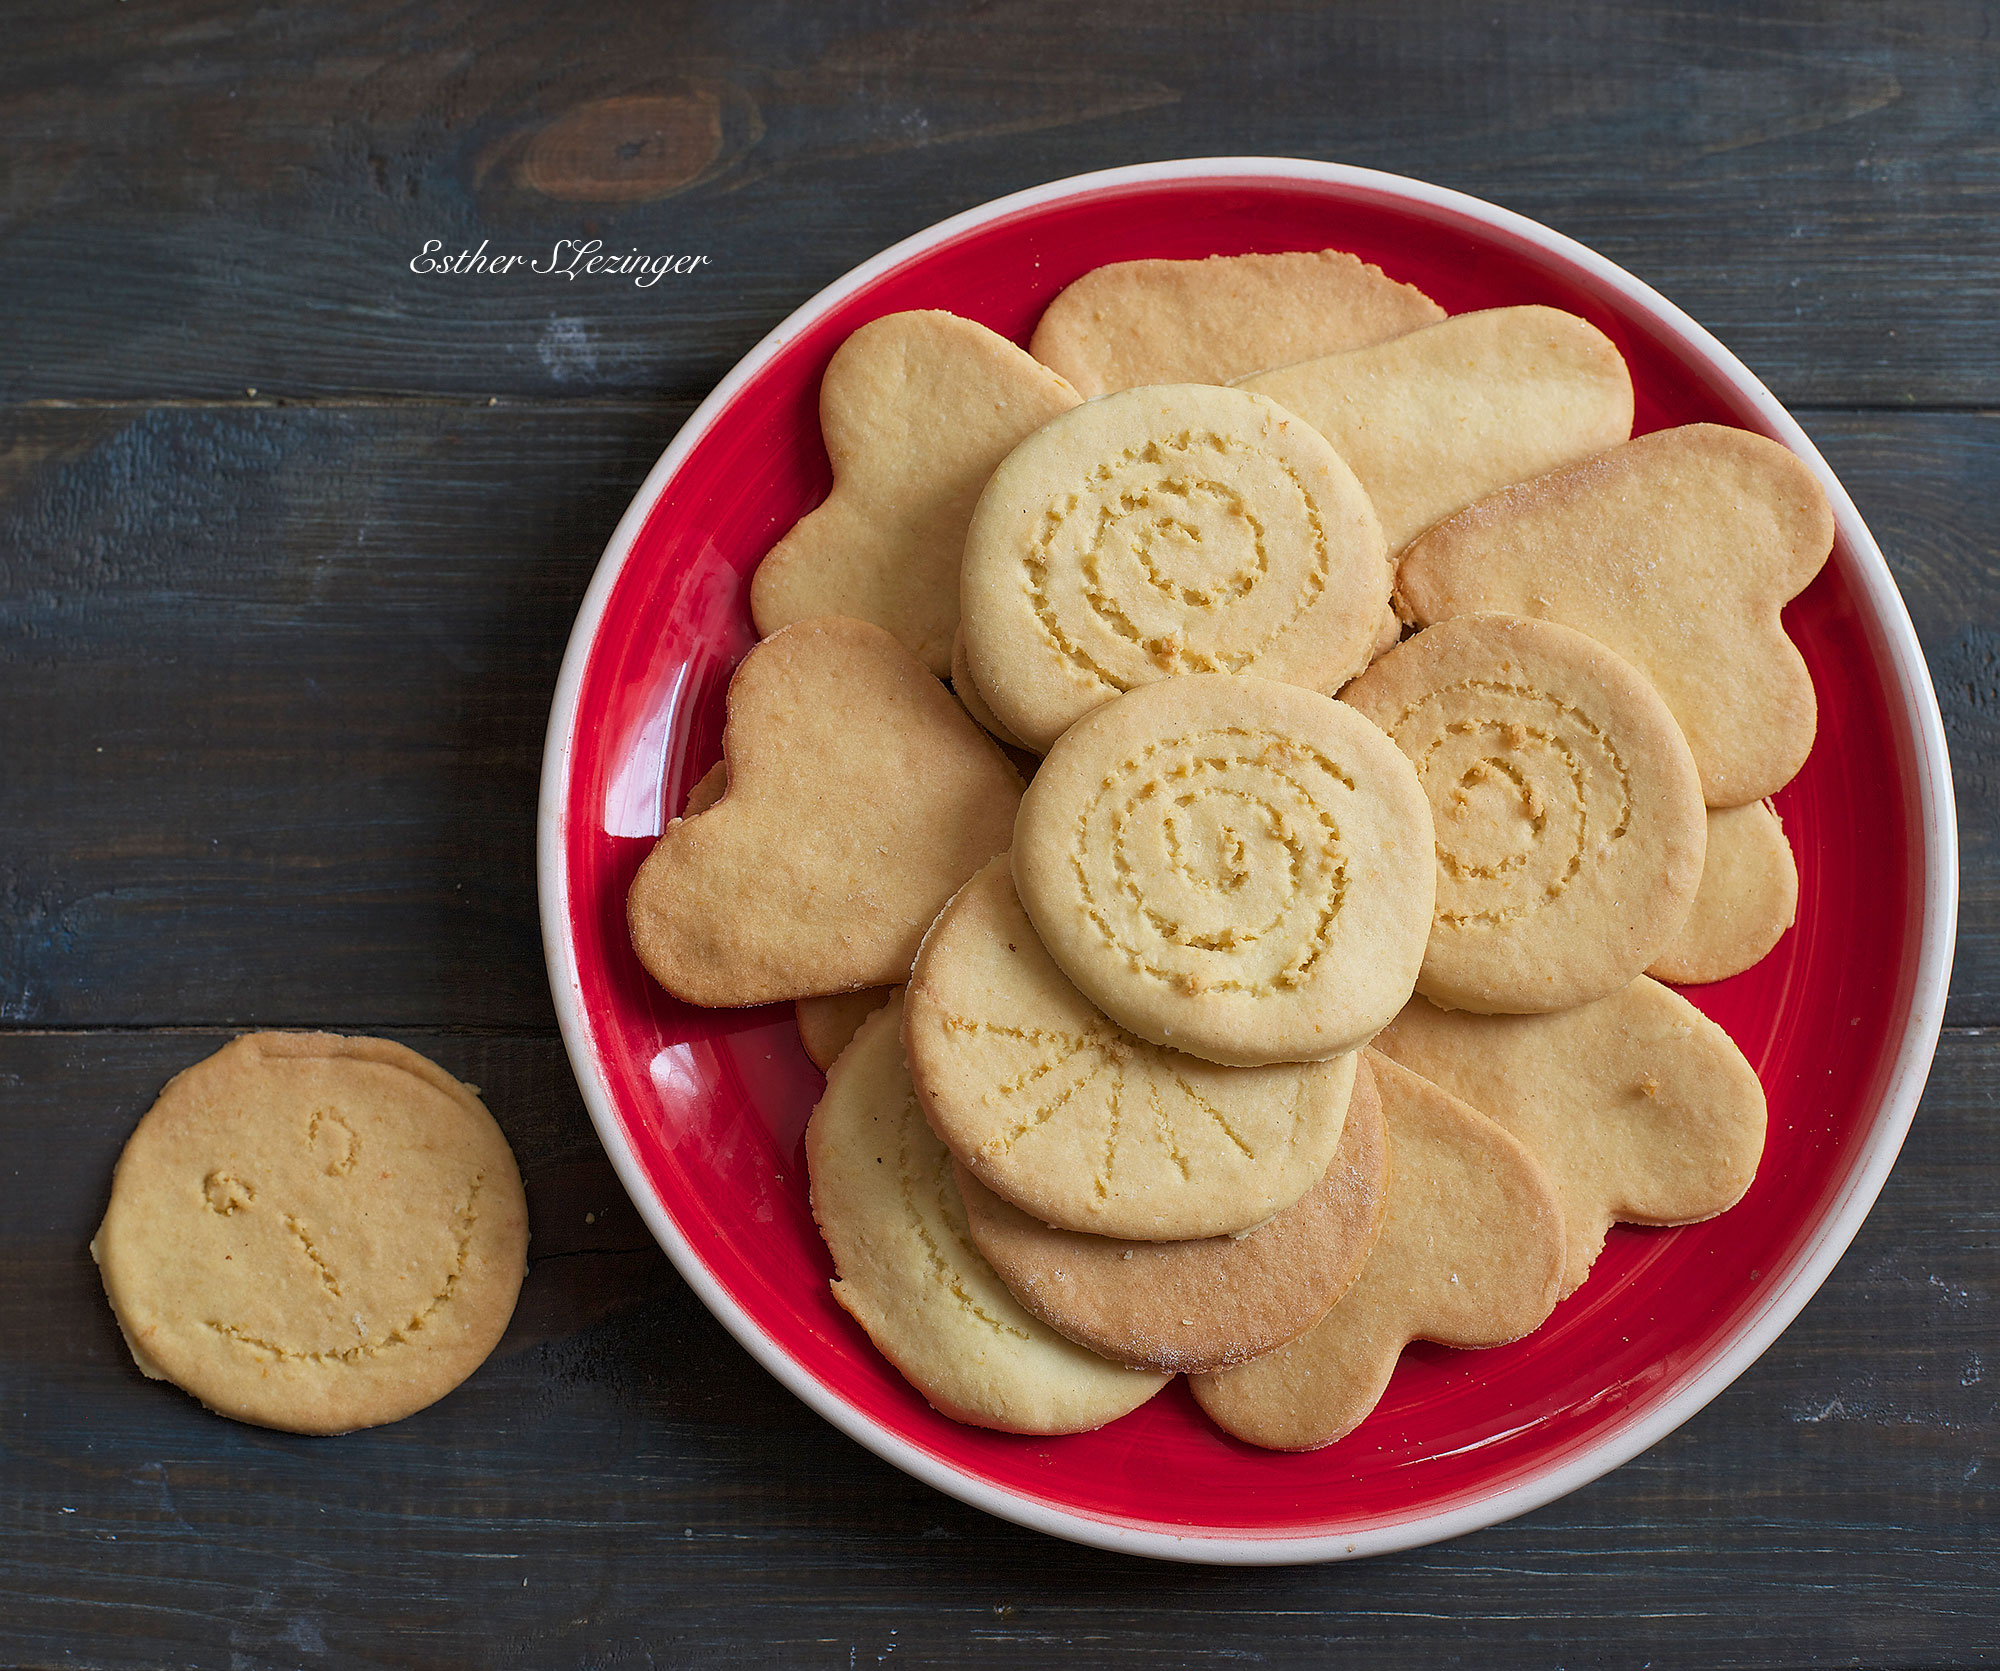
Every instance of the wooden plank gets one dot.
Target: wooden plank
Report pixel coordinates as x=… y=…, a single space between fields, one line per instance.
x=278 y=680
x=231 y=199
x=622 y=1485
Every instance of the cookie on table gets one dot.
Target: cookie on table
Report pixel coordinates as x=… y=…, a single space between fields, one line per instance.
x=1060 y=1111
x=917 y=409
x=1471 y=1254
x=1431 y=421
x=314 y=1233
x=1642 y=1110
x=827 y=1025
x=1749 y=896
x=1569 y=819
x=860 y=796
x=907 y=1271
x=1678 y=550
x=1165 y=531
x=1196 y=1306
x=1218 y=319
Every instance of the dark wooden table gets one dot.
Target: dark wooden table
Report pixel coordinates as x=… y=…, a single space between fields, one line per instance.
x=291 y=539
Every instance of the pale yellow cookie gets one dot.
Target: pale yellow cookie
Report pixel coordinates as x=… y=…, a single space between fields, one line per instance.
x=1075 y=1120
x=1215 y=320
x=907 y=1271
x=1568 y=812
x=709 y=788
x=1678 y=550
x=1471 y=1254
x=917 y=409
x=1162 y=531
x=1641 y=1108
x=860 y=796
x=1748 y=897
x=1233 y=868
x=314 y=1233
x=828 y=1025
x=964 y=688
x=1431 y=421
x=1199 y=1305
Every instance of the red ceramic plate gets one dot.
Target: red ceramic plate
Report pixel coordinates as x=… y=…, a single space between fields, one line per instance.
x=702 y=1110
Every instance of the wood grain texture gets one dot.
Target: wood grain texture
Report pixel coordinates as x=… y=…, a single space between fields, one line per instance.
x=622 y=1486
x=230 y=199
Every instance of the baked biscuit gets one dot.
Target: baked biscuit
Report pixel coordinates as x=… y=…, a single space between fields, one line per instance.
x=1642 y=1109
x=1431 y=421
x=314 y=1233
x=1215 y=320
x=1070 y=1117
x=1233 y=868
x=917 y=409
x=709 y=788
x=907 y=1271
x=968 y=693
x=828 y=1025
x=1677 y=550
x=1568 y=812
x=1164 y=531
x=1200 y=1305
x=1748 y=897
x=860 y=797
x=1471 y=1254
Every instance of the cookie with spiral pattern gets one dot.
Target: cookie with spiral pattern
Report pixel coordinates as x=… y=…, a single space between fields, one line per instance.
x=907 y=1270
x=1162 y=531
x=1058 y=1109
x=1569 y=819
x=1230 y=867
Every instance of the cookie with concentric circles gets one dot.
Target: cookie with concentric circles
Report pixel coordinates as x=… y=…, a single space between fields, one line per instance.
x=314 y=1233
x=1230 y=867
x=1058 y=1109
x=1568 y=810
x=1166 y=530
x=1201 y=1305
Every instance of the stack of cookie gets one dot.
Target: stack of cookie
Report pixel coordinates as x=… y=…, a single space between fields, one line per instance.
x=1299 y=1005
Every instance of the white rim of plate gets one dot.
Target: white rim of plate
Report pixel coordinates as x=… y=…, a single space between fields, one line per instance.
x=1781 y=1303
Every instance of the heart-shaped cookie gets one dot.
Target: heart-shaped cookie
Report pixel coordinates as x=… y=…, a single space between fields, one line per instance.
x=1471 y=1254
x=860 y=796
x=1748 y=896
x=1642 y=1109
x=917 y=409
x=828 y=1025
x=1218 y=319
x=1435 y=419
x=1678 y=550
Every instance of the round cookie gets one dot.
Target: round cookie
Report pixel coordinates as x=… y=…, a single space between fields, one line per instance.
x=1570 y=827
x=1199 y=1305
x=314 y=1233
x=1065 y=1114
x=906 y=1269
x=1166 y=530
x=1234 y=868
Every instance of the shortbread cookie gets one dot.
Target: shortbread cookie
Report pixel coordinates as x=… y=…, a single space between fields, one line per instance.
x=709 y=788
x=1748 y=897
x=1677 y=550
x=967 y=691
x=828 y=1025
x=1431 y=421
x=860 y=797
x=1200 y=1305
x=908 y=1273
x=1216 y=320
x=1471 y=1254
x=1569 y=819
x=917 y=409
x=1070 y=1117
x=1233 y=868
x=1641 y=1108
x=314 y=1233
x=1163 y=531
